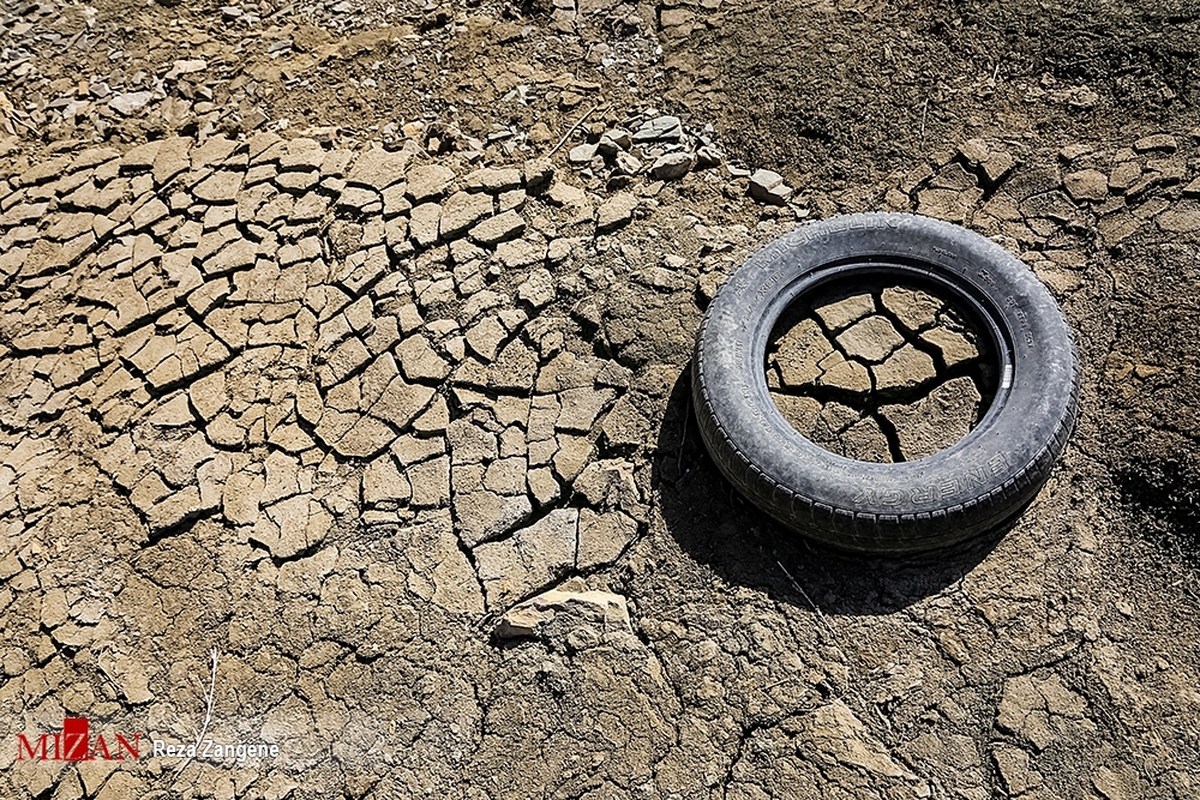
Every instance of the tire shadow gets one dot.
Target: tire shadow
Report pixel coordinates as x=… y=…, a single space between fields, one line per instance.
x=716 y=526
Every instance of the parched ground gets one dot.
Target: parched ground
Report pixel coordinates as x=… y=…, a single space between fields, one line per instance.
x=344 y=399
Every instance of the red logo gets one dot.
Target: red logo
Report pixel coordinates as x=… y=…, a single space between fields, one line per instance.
x=74 y=743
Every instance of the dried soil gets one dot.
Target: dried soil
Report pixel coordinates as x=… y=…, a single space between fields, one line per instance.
x=391 y=414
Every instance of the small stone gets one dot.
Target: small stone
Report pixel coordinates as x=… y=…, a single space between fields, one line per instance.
x=1159 y=141
x=130 y=103
x=486 y=337
x=1088 y=184
x=424 y=224
x=493 y=180
x=609 y=147
x=666 y=128
x=538 y=175
x=564 y=194
x=768 y=187
x=220 y=187
x=520 y=253
x=616 y=212
x=974 y=152
x=581 y=155
x=1124 y=175
x=996 y=168
x=672 y=166
x=569 y=608
x=626 y=164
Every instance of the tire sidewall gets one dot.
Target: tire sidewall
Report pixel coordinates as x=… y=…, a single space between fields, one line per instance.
x=1017 y=431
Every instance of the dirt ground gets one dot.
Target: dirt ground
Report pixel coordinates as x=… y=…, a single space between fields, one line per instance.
x=344 y=400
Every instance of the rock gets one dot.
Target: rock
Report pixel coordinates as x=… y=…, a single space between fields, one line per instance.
x=660 y=129
x=616 y=212
x=520 y=253
x=538 y=289
x=872 y=339
x=974 y=152
x=613 y=142
x=768 y=187
x=1088 y=184
x=539 y=173
x=568 y=605
x=1124 y=175
x=220 y=187
x=582 y=155
x=626 y=164
x=497 y=229
x=130 y=102
x=672 y=166
x=996 y=168
x=1159 y=141
x=493 y=180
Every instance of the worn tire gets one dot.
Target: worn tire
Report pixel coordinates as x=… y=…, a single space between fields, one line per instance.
x=970 y=488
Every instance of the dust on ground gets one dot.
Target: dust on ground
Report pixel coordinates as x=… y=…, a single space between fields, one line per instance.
x=349 y=342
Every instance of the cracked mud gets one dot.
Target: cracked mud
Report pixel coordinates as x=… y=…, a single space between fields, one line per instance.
x=890 y=375
x=352 y=343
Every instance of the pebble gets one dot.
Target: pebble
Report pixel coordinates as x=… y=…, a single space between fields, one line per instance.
x=768 y=187
x=660 y=129
x=672 y=166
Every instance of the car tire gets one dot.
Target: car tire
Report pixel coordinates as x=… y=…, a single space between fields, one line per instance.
x=970 y=488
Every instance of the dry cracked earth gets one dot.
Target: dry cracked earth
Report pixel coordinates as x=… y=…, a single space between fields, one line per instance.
x=343 y=400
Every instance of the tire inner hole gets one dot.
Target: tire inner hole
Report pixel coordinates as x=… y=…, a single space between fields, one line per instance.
x=881 y=371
